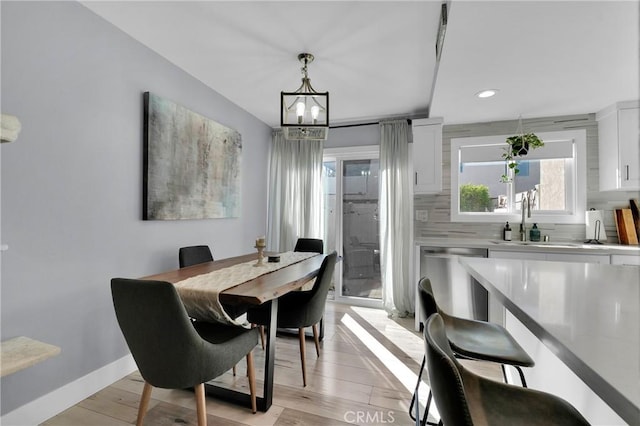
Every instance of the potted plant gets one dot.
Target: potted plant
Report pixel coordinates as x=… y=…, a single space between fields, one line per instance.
x=518 y=146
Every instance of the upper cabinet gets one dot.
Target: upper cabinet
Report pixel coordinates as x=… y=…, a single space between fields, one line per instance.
x=427 y=155
x=619 y=146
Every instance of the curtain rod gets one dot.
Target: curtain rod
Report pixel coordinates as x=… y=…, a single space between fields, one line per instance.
x=340 y=126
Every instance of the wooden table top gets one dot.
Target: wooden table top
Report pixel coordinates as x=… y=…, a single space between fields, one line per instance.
x=256 y=291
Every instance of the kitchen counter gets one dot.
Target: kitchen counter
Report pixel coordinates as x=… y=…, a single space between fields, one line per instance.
x=541 y=246
x=588 y=315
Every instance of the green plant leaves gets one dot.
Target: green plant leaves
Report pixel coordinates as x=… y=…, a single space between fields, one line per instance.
x=518 y=145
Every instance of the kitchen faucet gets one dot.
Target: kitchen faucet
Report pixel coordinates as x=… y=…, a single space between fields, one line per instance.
x=526 y=197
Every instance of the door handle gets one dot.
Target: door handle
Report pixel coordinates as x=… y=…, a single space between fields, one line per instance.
x=627 y=170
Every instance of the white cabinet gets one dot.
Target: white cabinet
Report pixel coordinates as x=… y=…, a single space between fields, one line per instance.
x=619 y=146
x=625 y=259
x=517 y=255
x=427 y=155
x=575 y=257
x=554 y=257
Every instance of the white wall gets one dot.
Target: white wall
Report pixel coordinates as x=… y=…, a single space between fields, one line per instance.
x=72 y=185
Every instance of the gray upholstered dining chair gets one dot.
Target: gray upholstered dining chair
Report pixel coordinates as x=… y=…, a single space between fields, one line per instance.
x=300 y=309
x=305 y=245
x=464 y=398
x=172 y=352
x=471 y=339
x=193 y=255
x=312 y=245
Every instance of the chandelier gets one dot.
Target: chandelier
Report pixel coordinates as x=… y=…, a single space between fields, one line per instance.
x=304 y=114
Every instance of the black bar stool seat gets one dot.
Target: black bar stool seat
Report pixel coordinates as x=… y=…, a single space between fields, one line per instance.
x=484 y=341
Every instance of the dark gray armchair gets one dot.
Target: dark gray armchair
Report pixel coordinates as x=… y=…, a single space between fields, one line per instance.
x=308 y=245
x=300 y=309
x=313 y=245
x=171 y=351
x=193 y=255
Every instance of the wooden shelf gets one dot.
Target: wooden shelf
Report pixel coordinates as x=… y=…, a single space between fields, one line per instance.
x=22 y=352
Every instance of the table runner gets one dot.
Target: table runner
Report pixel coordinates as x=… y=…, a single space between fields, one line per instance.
x=200 y=294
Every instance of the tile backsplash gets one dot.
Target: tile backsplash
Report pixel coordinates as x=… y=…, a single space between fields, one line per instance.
x=438 y=205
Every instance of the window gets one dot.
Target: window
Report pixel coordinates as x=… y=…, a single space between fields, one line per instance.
x=552 y=178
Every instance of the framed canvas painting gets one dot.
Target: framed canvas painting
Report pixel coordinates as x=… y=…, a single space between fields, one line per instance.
x=191 y=164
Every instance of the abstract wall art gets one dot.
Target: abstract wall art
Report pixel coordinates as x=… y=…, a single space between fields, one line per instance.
x=191 y=164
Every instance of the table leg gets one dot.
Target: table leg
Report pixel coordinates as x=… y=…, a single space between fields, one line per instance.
x=263 y=403
x=270 y=356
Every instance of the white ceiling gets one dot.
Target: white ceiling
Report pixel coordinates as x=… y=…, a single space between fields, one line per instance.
x=377 y=58
x=547 y=58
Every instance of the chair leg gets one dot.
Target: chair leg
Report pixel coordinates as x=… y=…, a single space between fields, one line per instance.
x=201 y=409
x=252 y=381
x=262 y=336
x=413 y=398
x=524 y=382
x=302 y=355
x=426 y=412
x=316 y=338
x=234 y=370
x=520 y=372
x=424 y=421
x=144 y=403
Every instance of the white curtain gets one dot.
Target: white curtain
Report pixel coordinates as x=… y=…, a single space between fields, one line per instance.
x=395 y=203
x=295 y=192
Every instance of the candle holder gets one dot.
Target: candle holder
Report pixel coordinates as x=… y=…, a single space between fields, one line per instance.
x=260 y=249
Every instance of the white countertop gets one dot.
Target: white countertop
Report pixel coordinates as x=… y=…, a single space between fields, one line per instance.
x=541 y=246
x=587 y=314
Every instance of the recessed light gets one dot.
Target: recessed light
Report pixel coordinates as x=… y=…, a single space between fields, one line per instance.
x=487 y=93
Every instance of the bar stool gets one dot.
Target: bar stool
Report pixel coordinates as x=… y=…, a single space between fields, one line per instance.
x=464 y=398
x=470 y=339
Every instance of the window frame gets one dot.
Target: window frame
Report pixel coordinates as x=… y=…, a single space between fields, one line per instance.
x=575 y=175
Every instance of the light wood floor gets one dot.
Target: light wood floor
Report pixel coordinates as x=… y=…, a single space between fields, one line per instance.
x=366 y=372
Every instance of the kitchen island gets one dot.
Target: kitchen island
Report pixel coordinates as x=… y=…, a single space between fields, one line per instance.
x=587 y=315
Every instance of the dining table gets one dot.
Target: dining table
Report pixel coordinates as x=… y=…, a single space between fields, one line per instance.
x=265 y=288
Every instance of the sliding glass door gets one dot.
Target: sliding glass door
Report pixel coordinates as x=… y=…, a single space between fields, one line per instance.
x=352 y=223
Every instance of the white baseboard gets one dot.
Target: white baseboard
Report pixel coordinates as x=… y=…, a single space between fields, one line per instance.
x=47 y=406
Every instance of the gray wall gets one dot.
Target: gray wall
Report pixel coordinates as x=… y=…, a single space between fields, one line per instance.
x=72 y=185
x=353 y=136
x=357 y=135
